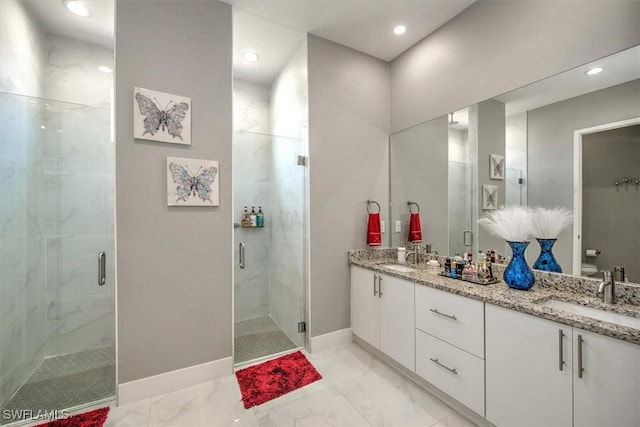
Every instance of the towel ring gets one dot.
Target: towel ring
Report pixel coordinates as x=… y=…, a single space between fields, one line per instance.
x=410 y=204
x=372 y=202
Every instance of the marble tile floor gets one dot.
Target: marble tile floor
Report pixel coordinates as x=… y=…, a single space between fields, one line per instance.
x=357 y=389
x=65 y=381
x=258 y=338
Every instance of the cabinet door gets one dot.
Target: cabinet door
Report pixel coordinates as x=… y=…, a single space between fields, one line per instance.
x=364 y=305
x=608 y=393
x=524 y=382
x=397 y=330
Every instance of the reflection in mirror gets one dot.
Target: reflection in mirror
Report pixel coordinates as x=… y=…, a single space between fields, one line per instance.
x=538 y=144
x=463 y=149
x=607 y=194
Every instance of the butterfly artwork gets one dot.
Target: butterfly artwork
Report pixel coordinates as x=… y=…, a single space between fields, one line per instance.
x=161 y=117
x=496 y=167
x=489 y=197
x=192 y=182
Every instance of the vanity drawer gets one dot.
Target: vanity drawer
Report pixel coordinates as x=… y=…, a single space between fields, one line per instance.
x=454 y=371
x=452 y=318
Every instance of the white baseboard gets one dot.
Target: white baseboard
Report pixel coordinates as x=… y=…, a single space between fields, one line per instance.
x=175 y=380
x=332 y=339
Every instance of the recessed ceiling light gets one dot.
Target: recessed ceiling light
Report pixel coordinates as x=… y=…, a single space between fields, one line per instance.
x=399 y=29
x=76 y=8
x=594 y=71
x=250 y=56
x=105 y=69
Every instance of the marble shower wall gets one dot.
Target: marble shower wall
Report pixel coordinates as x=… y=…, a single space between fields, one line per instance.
x=289 y=119
x=22 y=299
x=252 y=177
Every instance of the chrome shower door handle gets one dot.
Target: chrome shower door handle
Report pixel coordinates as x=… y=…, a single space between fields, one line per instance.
x=464 y=238
x=241 y=251
x=102 y=269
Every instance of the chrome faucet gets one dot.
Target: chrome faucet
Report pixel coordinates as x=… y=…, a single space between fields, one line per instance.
x=416 y=254
x=608 y=288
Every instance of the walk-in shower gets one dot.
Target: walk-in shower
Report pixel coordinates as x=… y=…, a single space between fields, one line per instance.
x=270 y=260
x=56 y=232
x=57 y=166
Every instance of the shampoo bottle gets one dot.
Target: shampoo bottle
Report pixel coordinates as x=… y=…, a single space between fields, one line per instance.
x=260 y=217
x=253 y=217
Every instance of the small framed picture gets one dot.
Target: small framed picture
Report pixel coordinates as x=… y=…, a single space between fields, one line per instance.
x=163 y=117
x=489 y=197
x=192 y=182
x=496 y=166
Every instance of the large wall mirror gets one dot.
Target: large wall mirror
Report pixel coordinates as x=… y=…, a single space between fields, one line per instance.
x=571 y=140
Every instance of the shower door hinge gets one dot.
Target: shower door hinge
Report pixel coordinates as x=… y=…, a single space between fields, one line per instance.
x=520 y=180
x=302 y=160
x=302 y=327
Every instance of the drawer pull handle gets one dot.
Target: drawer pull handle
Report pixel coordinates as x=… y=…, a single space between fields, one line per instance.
x=580 y=367
x=452 y=370
x=561 y=358
x=450 y=316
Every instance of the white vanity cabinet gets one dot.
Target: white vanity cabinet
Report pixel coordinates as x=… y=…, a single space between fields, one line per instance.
x=450 y=344
x=525 y=381
x=382 y=314
x=608 y=391
x=533 y=374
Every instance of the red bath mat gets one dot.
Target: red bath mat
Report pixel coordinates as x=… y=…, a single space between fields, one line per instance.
x=273 y=378
x=94 y=418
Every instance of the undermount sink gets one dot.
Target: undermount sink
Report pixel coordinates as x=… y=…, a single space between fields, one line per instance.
x=594 y=313
x=400 y=268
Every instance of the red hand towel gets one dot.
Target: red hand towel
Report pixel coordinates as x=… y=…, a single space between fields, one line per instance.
x=374 y=237
x=415 y=233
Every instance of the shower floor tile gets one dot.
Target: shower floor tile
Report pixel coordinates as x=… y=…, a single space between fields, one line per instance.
x=257 y=338
x=62 y=382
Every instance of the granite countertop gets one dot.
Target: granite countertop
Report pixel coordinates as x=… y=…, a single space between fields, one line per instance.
x=577 y=290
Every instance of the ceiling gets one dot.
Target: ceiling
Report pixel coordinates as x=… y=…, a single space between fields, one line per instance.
x=363 y=25
x=55 y=19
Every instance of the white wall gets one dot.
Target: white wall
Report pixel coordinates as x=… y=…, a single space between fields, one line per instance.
x=349 y=163
x=496 y=46
x=174 y=263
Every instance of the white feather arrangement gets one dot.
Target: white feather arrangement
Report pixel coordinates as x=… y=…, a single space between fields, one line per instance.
x=513 y=224
x=548 y=223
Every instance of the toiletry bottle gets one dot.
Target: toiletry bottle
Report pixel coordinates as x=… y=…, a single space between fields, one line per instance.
x=453 y=268
x=484 y=269
x=253 y=217
x=246 y=221
x=447 y=266
x=260 y=217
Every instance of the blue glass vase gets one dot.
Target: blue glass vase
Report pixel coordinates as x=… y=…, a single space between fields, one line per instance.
x=518 y=275
x=546 y=261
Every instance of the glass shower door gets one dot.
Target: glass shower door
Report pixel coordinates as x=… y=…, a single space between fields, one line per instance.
x=269 y=262
x=57 y=305
x=461 y=198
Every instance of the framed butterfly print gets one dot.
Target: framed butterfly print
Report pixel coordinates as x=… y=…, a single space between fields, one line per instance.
x=159 y=116
x=192 y=182
x=489 y=197
x=496 y=166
